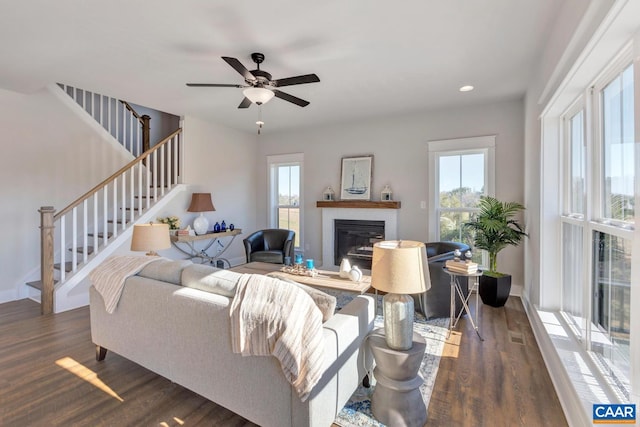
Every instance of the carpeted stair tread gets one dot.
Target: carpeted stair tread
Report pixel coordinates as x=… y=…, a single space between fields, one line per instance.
x=80 y=250
x=68 y=266
x=101 y=235
x=37 y=284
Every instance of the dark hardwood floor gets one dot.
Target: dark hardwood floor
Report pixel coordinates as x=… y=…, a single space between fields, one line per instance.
x=49 y=377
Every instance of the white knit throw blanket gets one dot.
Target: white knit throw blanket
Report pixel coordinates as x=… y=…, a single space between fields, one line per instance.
x=109 y=277
x=271 y=317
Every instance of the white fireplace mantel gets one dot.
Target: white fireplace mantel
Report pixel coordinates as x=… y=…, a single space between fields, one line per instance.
x=389 y=216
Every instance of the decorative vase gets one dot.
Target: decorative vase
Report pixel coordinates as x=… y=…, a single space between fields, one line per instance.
x=232 y=227
x=216 y=228
x=355 y=274
x=223 y=226
x=345 y=268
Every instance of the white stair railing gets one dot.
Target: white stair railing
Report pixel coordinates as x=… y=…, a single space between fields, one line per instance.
x=116 y=116
x=94 y=220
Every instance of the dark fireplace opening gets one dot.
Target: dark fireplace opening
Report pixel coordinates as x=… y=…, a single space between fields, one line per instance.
x=354 y=240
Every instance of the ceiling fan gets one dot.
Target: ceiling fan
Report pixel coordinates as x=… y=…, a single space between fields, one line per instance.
x=260 y=87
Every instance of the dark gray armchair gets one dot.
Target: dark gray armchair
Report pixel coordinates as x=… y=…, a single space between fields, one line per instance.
x=271 y=245
x=436 y=301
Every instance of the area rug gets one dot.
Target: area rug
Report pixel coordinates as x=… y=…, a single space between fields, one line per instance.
x=357 y=411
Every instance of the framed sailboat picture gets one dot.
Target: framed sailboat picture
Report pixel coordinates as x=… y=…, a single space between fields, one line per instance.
x=356 y=178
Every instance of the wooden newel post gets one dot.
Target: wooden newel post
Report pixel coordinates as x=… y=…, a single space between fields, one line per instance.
x=46 y=258
x=146 y=126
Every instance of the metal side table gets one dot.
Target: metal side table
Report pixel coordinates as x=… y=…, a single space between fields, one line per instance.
x=473 y=285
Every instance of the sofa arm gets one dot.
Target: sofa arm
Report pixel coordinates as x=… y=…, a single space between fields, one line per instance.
x=346 y=363
x=350 y=327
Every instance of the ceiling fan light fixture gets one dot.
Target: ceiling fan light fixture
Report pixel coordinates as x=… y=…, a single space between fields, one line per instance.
x=258 y=95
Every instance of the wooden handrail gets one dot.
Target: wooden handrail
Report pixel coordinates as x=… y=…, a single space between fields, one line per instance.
x=110 y=179
x=144 y=122
x=130 y=108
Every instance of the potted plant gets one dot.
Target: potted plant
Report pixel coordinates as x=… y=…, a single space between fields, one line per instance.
x=494 y=229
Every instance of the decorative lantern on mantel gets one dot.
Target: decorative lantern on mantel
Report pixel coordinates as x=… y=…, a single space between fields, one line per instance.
x=328 y=194
x=386 y=194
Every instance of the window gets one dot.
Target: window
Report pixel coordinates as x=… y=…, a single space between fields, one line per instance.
x=577 y=165
x=587 y=269
x=612 y=304
x=462 y=172
x=613 y=218
x=617 y=148
x=285 y=195
x=598 y=220
x=573 y=228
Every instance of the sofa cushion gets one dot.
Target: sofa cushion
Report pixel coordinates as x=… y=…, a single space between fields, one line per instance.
x=325 y=302
x=211 y=279
x=165 y=270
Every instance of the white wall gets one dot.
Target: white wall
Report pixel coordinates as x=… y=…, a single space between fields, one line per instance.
x=399 y=146
x=222 y=161
x=51 y=157
x=574 y=26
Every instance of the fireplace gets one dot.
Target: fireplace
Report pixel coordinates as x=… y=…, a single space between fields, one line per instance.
x=354 y=240
x=329 y=214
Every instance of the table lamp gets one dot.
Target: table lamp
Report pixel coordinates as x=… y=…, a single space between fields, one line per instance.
x=201 y=202
x=150 y=237
x=399 y=268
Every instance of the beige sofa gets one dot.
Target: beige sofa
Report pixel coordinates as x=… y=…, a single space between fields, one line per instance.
x=183 y=334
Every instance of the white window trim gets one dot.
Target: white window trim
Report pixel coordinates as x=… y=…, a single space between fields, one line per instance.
x=452 y=147
x=272 y=197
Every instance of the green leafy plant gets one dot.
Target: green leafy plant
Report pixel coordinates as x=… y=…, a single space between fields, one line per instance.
x=173 y=221
x=495 y=228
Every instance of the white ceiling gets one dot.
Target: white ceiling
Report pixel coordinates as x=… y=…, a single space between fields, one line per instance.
x=373 y=58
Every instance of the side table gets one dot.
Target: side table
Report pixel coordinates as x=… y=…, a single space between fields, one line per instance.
x=396 y=399
x=456 y=288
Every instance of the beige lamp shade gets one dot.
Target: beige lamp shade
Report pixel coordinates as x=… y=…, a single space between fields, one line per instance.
x=150 y=237
x=201 y=202
x=400 y=267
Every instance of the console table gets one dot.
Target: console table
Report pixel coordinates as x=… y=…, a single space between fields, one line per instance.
x=187 y=245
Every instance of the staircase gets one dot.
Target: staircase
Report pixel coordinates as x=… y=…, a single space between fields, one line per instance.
x=80 y=236
x=115 y=116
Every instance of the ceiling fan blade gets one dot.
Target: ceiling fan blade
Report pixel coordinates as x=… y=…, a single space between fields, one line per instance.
x=237 y=65
x=297 y=80
x=290 y=98
x=212 y=85
x=246 y=102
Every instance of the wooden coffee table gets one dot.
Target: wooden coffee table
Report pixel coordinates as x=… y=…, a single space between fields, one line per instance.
x=324 y=279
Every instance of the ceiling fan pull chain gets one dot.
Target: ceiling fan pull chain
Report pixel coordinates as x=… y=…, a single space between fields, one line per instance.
x=259 y=122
